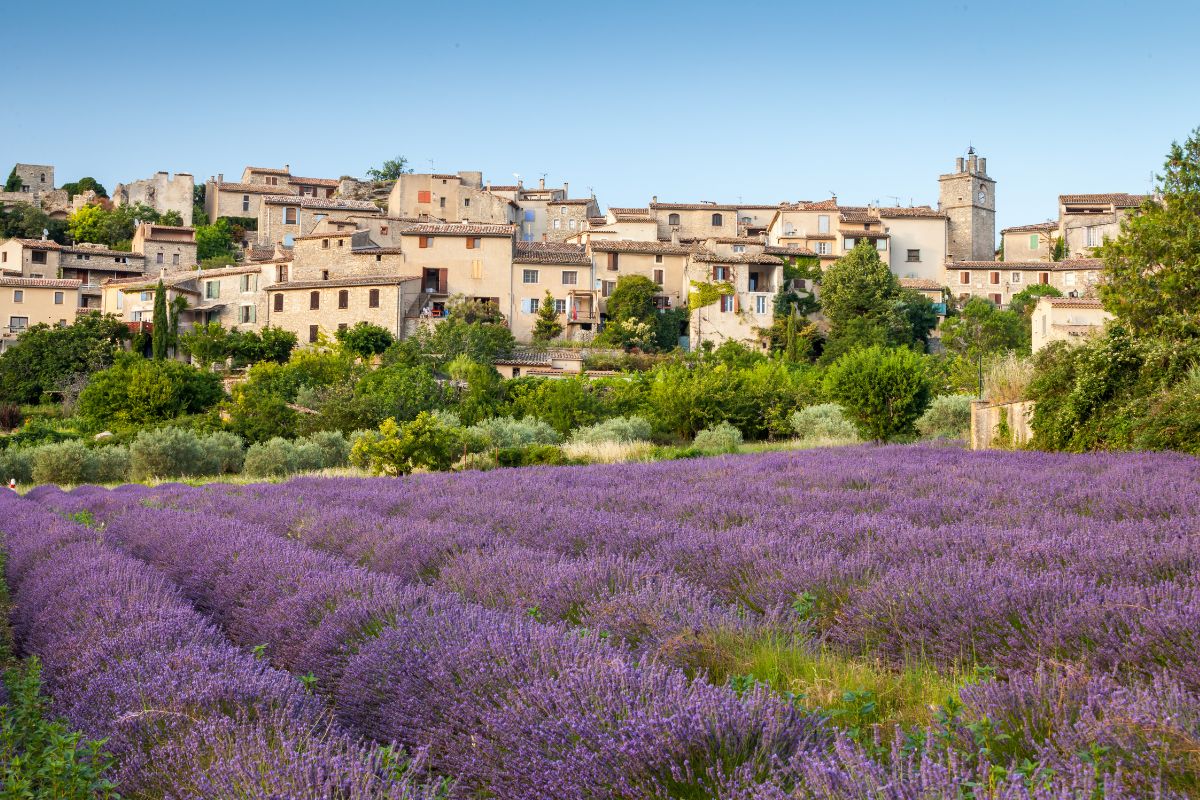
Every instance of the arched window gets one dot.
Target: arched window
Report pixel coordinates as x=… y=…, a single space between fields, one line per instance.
x=717 y=221
x=672 y=219
x=43 y=177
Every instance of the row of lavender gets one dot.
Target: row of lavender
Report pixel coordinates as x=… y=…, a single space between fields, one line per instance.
x=518 y=709
x=1007 y=561
x=655 y=552
x=184 y=713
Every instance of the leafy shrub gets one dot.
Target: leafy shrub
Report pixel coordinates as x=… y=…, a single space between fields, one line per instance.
x=275 y=457
x=722 y=438
x=823 y=422
x=1007 y=378
x=506 y=432
x=135 y=391
x=617 y=429
x=1172 y=419
x=530 y=455
x=424 y=443
x=223 y=452
x=361 y=443
x=334 y=447
x=948 y=417
x=61 y=463
x=17 y=464
x=883 y=390
x=166 y=452
x=109 y=464
x=309 y=456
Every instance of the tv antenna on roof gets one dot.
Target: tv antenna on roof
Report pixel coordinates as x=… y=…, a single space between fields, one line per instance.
x=893 y=197
x=431 y=165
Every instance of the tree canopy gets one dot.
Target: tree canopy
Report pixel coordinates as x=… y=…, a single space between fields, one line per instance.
x=84 y=184
x=45 y=357
x=392 y=169
x=981 y=329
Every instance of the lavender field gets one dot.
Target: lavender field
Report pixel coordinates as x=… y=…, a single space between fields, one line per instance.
x=895 y=622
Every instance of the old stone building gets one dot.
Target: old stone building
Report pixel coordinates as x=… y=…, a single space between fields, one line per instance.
x=165 y=246
x=161 y=192
x=461 y=197
x=1029 y=242
x=694 y=222
x=998 y=281
x=968 y=199
x=754 y=276
x=566 y=272
x=36 y=179
x=1085 y=221
x=281 y=218
x=25 y=302
x=1067 y=319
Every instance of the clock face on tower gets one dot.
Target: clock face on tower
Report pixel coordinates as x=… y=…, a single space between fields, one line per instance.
x=982 y=196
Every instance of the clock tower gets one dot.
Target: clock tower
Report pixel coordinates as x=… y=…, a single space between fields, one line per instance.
x=968 y=199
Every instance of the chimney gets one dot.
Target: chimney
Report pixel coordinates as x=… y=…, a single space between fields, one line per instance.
x=654 y=200
x=489 y=184
x=541 y=183
x=287 y=168
x=972 y=163
x=675 y=234
x=983 y=166
x=566 y=189
x=545 y=237
x=958 y=164
x=220 y=177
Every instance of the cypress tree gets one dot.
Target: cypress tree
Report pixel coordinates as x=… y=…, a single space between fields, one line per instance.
x=161 y=334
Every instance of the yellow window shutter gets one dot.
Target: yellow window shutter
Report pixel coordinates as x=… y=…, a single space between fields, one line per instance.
x=476 y=268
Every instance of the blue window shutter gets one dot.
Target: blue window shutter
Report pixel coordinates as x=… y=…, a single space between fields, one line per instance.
x=529 y=216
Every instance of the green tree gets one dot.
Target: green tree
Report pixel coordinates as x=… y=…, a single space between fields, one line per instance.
x=84 y=184
x=392 y=169
x=365 y=340
x=631 y=313
x=111 y=227
x=134 y=392
x=14 y=182
x=161 y=333
x=863 y=302
x=425 y=443
x=1024 y=301
x=1152 y=270
x=547 y=326
x=482 y=342
x=27 y=222
x=216 y=241
x=45 y=358
x=883 y=390
x=979 y=329
x=1058 y=250
x=171 y=217
x=206 y=344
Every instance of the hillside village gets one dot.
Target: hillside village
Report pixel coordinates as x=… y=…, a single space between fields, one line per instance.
x=315 y=255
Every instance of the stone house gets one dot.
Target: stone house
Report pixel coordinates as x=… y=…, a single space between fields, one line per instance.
x=281 y=218
x=998 y=281
x=231 y=296
x=1086 y=220
x=474 y=260
x=25 y=302
x=694 y=221
x=238 y=200
x=566 y=271
x=450 y=198
x=1029 y=242
x=1066 y=319
x=315 y=308
x=36 y=179
x=665 y=263
x=916 y=241
x=755 y=276
x=165 y=246
x=161 y=192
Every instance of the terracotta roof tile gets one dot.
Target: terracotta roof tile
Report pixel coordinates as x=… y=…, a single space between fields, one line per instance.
x=924 y=212
x=267 y=170
x=551 y=253
x=736 y=258
x=634 y=246
x=293 y=179
x=1117 y=199
x=1075 y=302
x=692 y=207
x=458 y=229
x=1037 y=226
x=355 y=280
x=789 y=251
x=920 y=283
x=1043 y=266
x=641 y=212
x=325 y=203
x=255 y=188
x=40 y=283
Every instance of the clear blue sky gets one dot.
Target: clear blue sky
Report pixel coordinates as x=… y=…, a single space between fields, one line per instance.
x=691 y=101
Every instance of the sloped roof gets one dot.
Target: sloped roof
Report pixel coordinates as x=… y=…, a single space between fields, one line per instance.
x=551 y=253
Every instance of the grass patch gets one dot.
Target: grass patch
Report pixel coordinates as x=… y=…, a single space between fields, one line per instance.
x=856 y=693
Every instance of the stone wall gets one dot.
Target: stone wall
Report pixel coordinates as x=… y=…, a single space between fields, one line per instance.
x=161 y=192
x=988 y=423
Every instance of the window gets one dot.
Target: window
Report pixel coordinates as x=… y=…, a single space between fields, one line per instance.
x=823 y=223
x=245 y=202
x=562 y=211
x=474 y=242
x=324 y=244
x=824 y=248
x=739 y=248
x=442 y=202
x=58 y=298
x=881 y=245
x=672 y=219
x=18 y=323
x=424 y=196
x=717 y=220
x=1034 y=242
x=466 y=202
x=1094 y=236
x=247 y=314
x=175 y=259
x=994 y=278
x=1068 y=279
x=530 y=305
x=289 y=215
x=529 y=276
x=1016 y=277
x=344 y=298
x=250 y=283
x=964 y=278
x=39 y=256
x=18 y=296
x=760 y=304
x=570 y=278
x=3 y=257
x=720 y=273
x=145 y=297
x=342 y=326
x=373 y=298
x=281 y=273
x=279 y=302
x=314 y=301
x=1043 y=278
x=312 y=333
x=658 y=277
x=158 y=258
x=43 y=180
x=120 y=300
x=658 y=258
x=212 y=290
x=272 y=180
x=728 y=303
x=423 y=241
x=914 y=255
x=324 y=274
x=557 y=224
x=476 y=269
x=137 y=316
x=560 y=306
x=571 y=224
x=606 y=288
x=995 y=298
x=848 y=244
